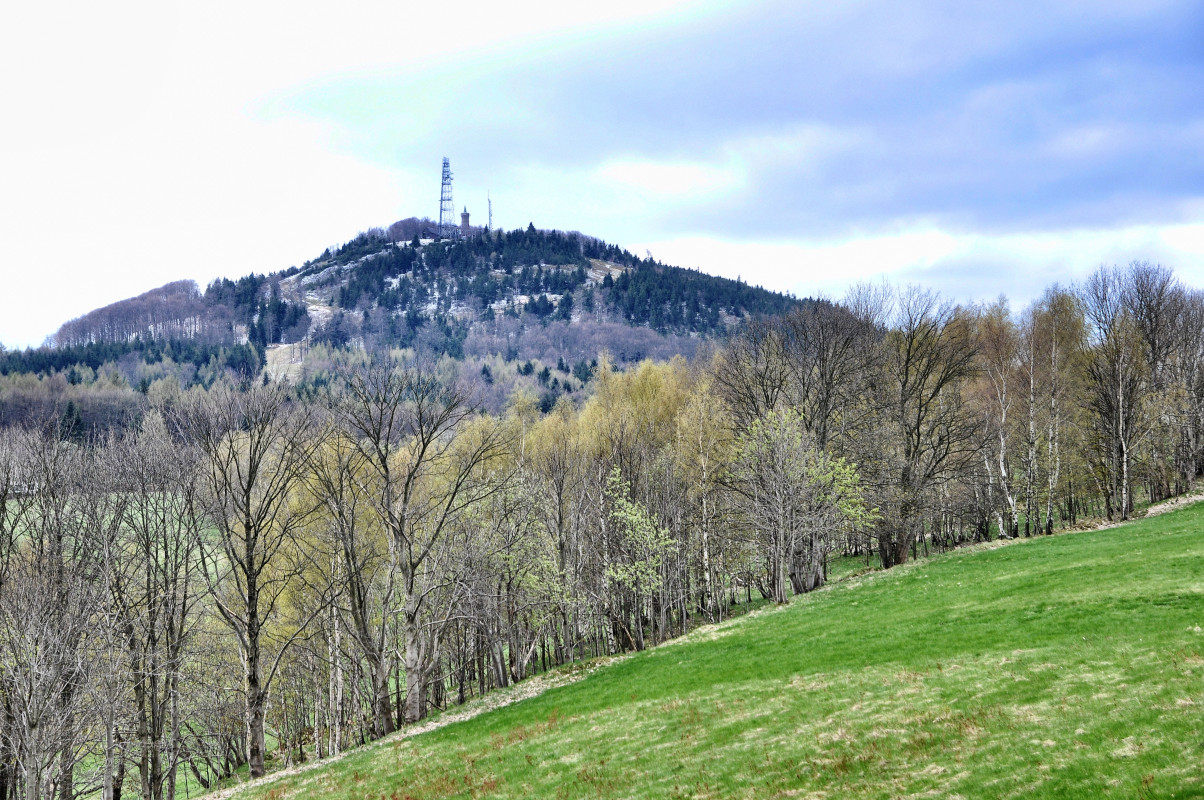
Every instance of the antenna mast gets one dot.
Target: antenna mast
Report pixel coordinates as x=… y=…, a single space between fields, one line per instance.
x=447 y=209
x=489 y=200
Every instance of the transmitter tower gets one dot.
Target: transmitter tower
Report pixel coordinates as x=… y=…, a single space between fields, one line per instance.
x=448 y=229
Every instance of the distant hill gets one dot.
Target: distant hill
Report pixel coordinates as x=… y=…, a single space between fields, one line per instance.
x=514 y=306
x=386 y=291
x=537 y=275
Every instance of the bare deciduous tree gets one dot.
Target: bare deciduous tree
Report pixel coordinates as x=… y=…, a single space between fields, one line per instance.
x=424 y=459
x=1116 y=374
x=254 y=446
x=930 y=352
x=154 y=579
x=753 y=374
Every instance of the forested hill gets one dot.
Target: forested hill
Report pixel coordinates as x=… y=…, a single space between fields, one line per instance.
x=538 y=274
x=518 y=306
x=386 y=292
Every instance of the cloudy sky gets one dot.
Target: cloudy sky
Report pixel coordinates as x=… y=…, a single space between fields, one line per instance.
x=977 y=147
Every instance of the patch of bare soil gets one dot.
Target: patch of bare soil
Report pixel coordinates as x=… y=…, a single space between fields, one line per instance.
x=1175 y=503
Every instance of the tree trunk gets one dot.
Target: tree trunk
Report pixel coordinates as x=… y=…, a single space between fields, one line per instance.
x=119 y=779
x=67 y=755
x=33 y=763
x=106 y=790
x=411 y=635
x=381 y=700
x=256 y=701
x=336 y=689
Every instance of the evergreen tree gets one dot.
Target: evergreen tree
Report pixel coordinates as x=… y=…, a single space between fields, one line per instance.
x=71 y=424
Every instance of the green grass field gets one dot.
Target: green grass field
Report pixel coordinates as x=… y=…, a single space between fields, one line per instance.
x=1068 y=666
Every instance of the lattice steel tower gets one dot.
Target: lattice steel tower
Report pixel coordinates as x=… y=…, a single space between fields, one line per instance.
x=448 y=229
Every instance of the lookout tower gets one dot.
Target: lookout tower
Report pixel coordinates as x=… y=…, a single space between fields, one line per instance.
x=465 y=228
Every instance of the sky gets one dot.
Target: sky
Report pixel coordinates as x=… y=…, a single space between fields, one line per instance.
x=978 y=148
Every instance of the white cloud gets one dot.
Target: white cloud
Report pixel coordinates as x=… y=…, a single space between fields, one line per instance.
x=90 y=226
x=964 y=266
x=688 y=183
x=1187 y=240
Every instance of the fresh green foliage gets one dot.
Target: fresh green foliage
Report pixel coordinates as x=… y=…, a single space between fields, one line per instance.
x=645 y=543
x=776 y=450
x=1068 y=666
x=797 y=497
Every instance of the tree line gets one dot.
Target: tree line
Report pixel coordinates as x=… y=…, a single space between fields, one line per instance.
x=378 y=547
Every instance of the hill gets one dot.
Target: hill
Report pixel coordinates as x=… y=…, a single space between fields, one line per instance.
x=526 y=308
x=1065 y=666
x=441 y=296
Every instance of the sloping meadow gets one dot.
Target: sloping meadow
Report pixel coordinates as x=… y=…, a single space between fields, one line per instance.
x=1066 y=666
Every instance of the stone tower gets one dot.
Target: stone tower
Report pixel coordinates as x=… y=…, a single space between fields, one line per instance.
x=465 y=228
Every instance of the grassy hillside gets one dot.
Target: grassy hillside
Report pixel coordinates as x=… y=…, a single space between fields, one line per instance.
x=1069 y=666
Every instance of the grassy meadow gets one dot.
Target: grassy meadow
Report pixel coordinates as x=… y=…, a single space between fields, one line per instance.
x=1069 y=666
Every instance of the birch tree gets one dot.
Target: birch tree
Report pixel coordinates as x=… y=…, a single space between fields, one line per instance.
x=1115 y=371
